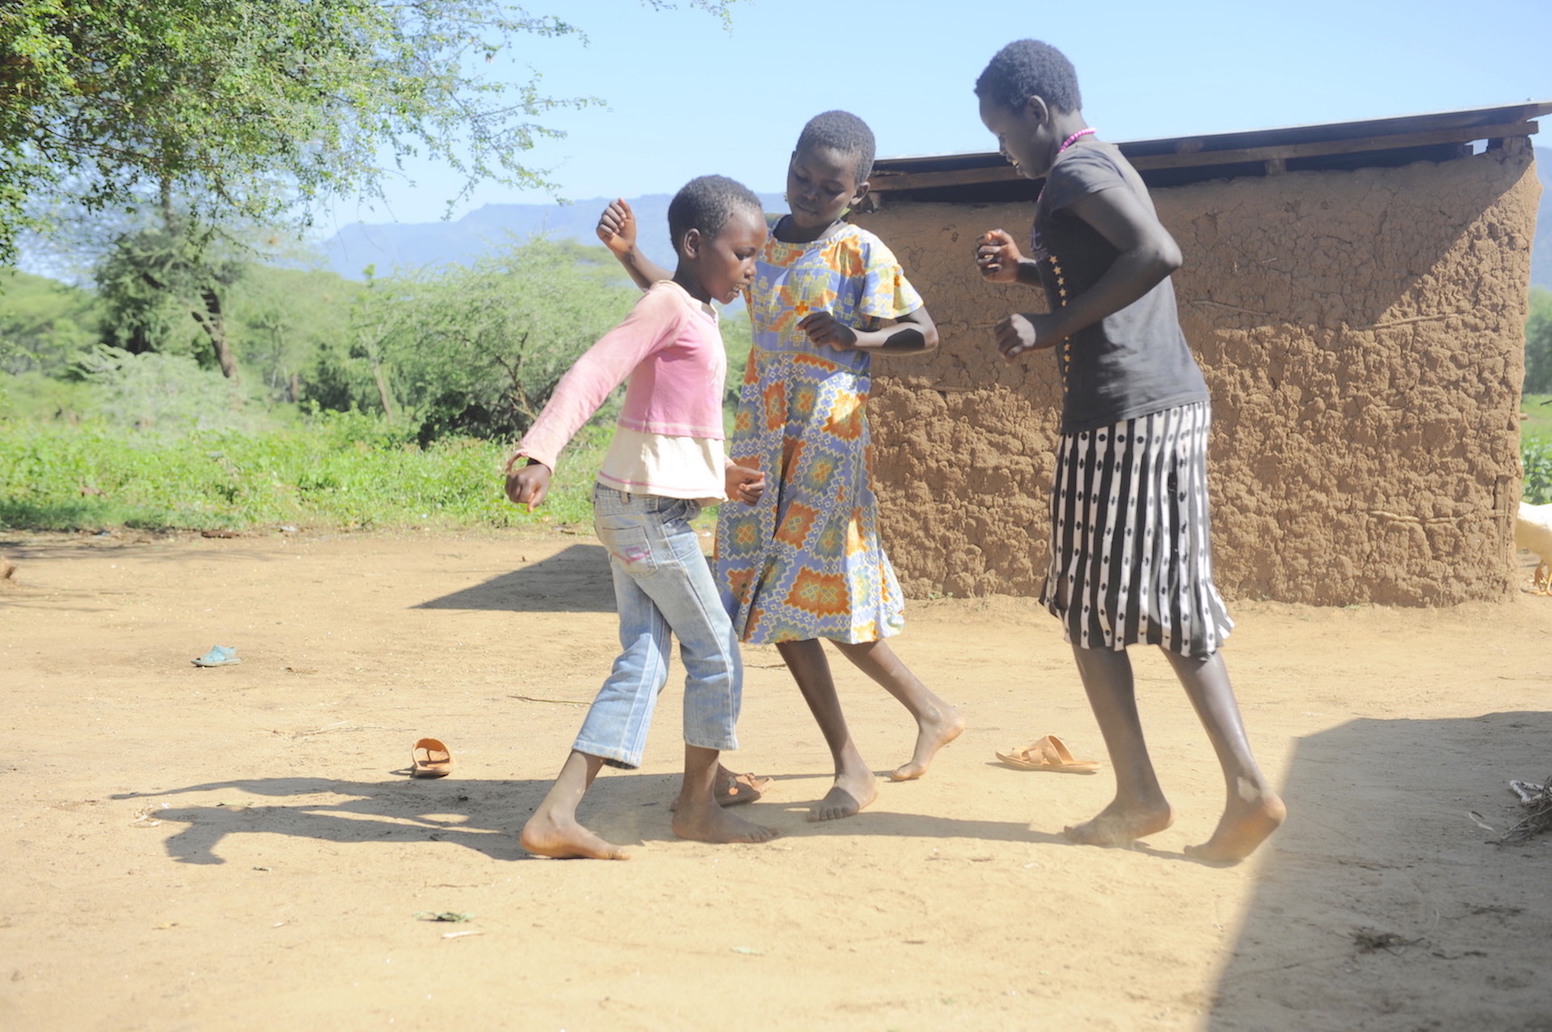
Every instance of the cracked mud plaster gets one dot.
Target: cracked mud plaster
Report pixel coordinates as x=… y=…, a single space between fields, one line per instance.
x=1362 y=334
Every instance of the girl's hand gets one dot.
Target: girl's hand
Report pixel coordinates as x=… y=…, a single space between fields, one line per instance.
x=527 y=485
x=997 y=256
x=1021 y=332
x=617 y=228
x=743 y=484
x=822 y=328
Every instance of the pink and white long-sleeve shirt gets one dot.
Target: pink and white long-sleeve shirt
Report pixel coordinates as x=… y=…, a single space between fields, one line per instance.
x=668 y=440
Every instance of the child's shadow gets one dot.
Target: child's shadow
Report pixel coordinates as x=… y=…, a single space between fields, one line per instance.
x=482 y=815
x=485 y=815
x=880 y=821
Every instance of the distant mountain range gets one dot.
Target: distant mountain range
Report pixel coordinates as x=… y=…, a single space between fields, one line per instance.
x=399 y=245
x=414 y=245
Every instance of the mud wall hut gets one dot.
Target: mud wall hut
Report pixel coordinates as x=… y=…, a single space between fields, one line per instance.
x=1356 y=295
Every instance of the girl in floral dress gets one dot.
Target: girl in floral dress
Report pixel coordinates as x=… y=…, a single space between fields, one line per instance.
x=801 y=560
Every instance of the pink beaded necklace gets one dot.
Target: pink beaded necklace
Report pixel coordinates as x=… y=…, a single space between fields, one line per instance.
x=1074 y=138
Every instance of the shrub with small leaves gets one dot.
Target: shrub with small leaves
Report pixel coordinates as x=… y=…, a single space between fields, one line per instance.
x=1536 y=458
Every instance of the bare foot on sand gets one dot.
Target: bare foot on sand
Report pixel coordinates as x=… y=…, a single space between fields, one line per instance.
x=1120 y=825
x=544 y=835
x=849 y=794
x=930 y=737
x=1245 y=824
x=708 y=822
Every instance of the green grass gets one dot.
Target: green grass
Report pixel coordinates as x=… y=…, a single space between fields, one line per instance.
x=341 y=472
x=337 y=471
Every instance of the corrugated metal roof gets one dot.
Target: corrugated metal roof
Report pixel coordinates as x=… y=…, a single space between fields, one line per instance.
x=1170 y=162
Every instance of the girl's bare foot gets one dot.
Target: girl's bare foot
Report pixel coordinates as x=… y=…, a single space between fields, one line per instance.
x=706 y=821
x=931 y=735
x=1245 y=824
x=1120 y=825
x=849 y=795
x=565 y=839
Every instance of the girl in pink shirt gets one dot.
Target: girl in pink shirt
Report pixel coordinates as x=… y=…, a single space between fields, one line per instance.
x=665 y=461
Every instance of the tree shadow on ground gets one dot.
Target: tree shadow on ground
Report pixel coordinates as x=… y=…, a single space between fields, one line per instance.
x=1384 y=903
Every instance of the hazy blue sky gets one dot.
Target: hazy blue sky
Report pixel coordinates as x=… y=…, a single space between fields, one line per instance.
x=686 y=97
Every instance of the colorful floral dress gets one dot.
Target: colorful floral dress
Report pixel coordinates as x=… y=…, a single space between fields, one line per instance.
x=805 y=561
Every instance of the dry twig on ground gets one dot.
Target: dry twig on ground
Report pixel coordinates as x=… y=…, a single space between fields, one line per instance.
x=1537 y=799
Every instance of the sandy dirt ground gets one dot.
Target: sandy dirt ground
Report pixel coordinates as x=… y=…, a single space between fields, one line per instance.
x=240 y=847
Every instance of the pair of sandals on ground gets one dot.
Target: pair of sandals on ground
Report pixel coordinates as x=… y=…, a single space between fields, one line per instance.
x=430 y=758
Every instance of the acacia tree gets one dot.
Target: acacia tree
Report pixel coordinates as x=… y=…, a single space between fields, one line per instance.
x=255 y=104
x=258 y=109
x=154 y=279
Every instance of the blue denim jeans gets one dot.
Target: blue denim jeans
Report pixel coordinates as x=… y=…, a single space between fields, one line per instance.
x=662 y=586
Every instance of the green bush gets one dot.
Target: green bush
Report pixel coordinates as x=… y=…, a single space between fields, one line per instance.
x=1538 y=343
x=472 y=351
x=43 y=324
x=163 y=394
x=1536 y=457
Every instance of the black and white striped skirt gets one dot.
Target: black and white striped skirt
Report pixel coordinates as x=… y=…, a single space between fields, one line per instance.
x=1131 y=549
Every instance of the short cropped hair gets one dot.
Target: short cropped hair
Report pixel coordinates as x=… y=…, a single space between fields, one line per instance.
x=1029 y=68
x=707 y=203
x=844 y=132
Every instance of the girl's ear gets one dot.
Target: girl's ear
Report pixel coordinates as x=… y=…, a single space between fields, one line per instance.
x=690 y=243
x=1037 y=109
x=862 y=191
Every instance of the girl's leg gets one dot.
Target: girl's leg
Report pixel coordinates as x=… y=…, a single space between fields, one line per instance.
x=1139 y=807
x=615 y=727
x=855 y=787
x=684 y=592
x=699 y=816
x=937 y=723
x=1253 y=810
x=553 y=829
x=616 y=724
x=681 y=589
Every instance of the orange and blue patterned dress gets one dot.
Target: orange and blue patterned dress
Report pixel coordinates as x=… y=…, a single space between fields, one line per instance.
x=805 y=561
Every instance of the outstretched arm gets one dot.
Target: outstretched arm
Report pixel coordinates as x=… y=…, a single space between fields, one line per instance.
x=600 y=369
x=1147 y=255
x=617 y=229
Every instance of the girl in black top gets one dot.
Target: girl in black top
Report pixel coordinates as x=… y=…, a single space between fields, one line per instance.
x=1131 y=559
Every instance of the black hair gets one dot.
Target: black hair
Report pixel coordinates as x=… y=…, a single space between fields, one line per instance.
x=706 y=203
x=1029 y=68
x=841 y=131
